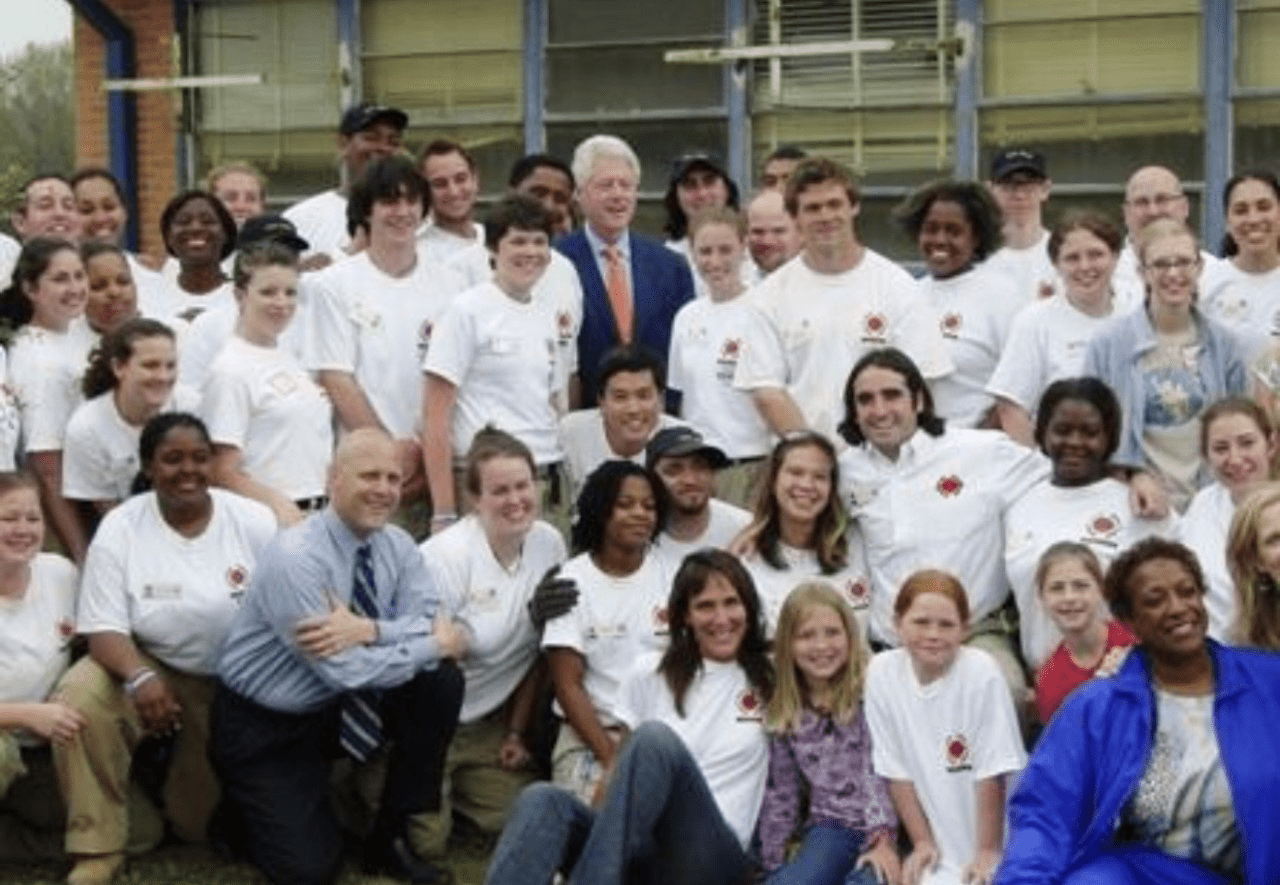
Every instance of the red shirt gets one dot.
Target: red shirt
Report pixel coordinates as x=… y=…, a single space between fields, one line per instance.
x=1060 y=675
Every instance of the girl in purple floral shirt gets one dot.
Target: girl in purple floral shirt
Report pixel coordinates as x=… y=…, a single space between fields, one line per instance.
x=821 y=752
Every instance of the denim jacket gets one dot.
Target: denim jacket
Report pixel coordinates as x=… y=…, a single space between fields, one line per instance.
x=1115 y=356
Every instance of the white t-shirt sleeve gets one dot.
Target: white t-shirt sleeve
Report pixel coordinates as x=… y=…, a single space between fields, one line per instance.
x=764 y=358
x=888 y=753
x=226 y=405
x=566 y=631
x=998 y=744
x=104 y=603
x=1020 y=374
x=329 y=341
x=453 y=344
x=86 y=469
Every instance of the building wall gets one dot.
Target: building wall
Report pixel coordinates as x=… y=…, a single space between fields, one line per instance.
x=152 y=24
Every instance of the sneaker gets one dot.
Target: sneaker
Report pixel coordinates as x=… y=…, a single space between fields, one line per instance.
x=398 y=861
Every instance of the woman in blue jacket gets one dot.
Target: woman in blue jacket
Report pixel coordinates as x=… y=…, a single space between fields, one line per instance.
x=1166 y=772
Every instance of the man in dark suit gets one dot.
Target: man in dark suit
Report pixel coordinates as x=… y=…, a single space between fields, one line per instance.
x=632 y=286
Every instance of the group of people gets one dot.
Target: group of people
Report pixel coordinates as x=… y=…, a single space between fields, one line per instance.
x=743 y=555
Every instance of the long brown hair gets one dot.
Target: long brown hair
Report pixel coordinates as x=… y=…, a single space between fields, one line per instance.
x=829 y=539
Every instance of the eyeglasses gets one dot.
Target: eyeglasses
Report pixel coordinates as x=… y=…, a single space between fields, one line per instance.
x=1158 y=201
x=1164 y=265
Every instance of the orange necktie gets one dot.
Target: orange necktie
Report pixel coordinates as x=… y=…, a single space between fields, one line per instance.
x=619 y=292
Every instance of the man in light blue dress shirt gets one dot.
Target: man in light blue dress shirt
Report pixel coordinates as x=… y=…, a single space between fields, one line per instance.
x=298 y=658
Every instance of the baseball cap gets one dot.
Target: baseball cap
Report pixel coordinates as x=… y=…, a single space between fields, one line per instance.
x=275 y=228
x=674 y=442
x=686 y=163
x=1011 y=160
x=365 y=114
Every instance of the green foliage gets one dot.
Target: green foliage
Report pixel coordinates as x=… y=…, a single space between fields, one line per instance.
x=37 y=116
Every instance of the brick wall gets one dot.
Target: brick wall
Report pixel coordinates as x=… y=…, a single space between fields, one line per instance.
x=152 y=24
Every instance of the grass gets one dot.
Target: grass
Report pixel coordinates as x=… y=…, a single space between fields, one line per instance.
x=199 y=865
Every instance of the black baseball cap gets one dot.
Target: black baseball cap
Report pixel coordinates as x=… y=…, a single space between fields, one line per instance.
x=685 y=164
x=1011 y=160
x=674 y=442
x=365 y=114
x=275 y=228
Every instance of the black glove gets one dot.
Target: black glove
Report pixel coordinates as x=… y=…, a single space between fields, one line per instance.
x=553 y=597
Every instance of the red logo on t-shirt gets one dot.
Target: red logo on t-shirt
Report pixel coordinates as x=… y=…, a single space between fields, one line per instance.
x=874 y=327
x=564 y=324
x=661 y=620
x=1104 y=525
x=749 y=706
x=957 y=749
x=731 y=348
x=236 y=576
x=951 y=323
x=858 y=592
x=66 y=629
x=949 y=486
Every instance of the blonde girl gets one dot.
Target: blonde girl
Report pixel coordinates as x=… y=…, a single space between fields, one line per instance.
x=821 y=747
x=1069 y=586
x=1253 y=556
x=943 y=731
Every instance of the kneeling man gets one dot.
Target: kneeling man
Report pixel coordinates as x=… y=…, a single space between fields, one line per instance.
x=337 y=650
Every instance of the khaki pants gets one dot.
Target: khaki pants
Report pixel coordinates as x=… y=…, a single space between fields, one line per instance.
x=93 y=770
x=475 y=785
x=739 y=484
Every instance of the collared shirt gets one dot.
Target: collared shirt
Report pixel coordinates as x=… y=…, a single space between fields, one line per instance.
x=940 y=505
x=305 y=570
x=623 y=245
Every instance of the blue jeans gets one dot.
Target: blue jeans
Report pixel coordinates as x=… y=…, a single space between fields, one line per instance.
x=659 y=824
x=826 y=857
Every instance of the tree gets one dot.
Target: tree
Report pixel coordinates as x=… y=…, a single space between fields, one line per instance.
x=37 y=115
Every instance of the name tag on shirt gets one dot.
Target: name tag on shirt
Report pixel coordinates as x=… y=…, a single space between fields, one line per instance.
x=162 y=591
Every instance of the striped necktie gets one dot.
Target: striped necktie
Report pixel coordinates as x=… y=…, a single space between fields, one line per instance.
x=360 y=730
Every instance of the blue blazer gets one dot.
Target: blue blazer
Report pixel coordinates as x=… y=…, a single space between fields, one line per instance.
x=661 y=284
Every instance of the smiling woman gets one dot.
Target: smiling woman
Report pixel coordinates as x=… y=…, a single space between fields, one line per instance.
x=1191 y=804
x=200 y=233
x=494 y=359
x=956 y=226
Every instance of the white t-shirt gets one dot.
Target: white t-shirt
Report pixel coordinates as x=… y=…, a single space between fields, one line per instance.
x=942 y=504
x=944 y=737
x=210 y=332
x=175 y=595
x=774 y=585
x=725 y=523
x=586 y=447
x=559 y=286
x=1097 y=515
x=1204 y=528
x=151 y=286
x=973 y=309
x=722 y=728
x=321 y=220
x=439 y=245
x=1029 y=270
x=175 y=304
x=377 y=327
x=489 y=600
x=1047 y=341
x=615 y=621
x=10 y=417
x=36 y=631
x=807 y=330
x=1246 y=303
x=100 y=453
x=45 y=371
x=261 y=400
x=501 y=355
x=707 y=339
